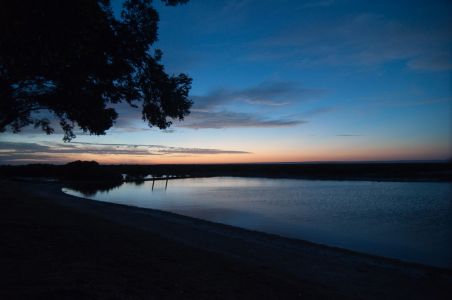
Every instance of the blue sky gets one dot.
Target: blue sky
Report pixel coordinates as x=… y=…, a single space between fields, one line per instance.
x=283 y=80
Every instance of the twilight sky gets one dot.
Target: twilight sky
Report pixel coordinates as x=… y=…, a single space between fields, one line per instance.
x=287 y=81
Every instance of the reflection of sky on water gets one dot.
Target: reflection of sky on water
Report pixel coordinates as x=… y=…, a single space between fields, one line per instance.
x=410 y=221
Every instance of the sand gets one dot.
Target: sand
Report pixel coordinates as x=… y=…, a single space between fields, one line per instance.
x=56 y=246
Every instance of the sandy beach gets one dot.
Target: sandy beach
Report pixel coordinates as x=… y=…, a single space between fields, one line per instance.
x=55 y=246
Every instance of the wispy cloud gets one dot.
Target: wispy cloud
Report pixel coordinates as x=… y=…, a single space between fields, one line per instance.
x=213 y=110
x=160 y=150
x=267 y=93
x=359 y=40
x=229 y=119
x=50 y=151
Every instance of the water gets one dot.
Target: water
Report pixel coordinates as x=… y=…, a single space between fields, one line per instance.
x=411 y=221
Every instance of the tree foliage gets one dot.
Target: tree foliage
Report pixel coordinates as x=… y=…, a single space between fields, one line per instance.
x=75 y=59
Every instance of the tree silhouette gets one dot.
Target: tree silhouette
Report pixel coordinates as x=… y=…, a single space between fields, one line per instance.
x=75 y=59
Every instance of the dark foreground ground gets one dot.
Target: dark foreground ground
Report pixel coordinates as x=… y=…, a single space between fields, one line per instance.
x=54 y=246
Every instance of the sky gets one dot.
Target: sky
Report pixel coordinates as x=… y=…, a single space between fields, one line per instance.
x=286 y=81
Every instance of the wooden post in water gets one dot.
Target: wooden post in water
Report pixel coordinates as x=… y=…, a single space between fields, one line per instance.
x=153 y=181
x=166 y=183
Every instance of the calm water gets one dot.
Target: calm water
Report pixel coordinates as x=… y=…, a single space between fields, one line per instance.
x=411 y=221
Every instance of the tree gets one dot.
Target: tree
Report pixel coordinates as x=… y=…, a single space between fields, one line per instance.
x=75 y=59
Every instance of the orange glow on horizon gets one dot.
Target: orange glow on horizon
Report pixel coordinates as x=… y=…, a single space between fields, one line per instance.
x=307 y=155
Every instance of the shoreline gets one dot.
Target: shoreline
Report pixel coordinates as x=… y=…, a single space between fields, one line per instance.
x=319 y=178
x=321 y=270
x=152 y=212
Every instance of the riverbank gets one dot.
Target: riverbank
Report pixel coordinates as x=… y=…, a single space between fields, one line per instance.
x=62 y=247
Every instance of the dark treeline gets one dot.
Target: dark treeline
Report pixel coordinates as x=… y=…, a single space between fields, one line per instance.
x=433 y=171
x=339 y=171
x=77 y=170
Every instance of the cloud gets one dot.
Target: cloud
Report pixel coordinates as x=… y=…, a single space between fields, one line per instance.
x=166 y=149
x=348 y=135
x=14 y=147
x=14 y=152
x=209 y=111
x=107 y=144
x=201 y=151
x=359 y=40
x=267 y=93
x=229 y=119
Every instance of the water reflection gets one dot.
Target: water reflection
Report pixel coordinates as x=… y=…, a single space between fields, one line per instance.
x=91 y=188
x=405 y=220
x=138 y=182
